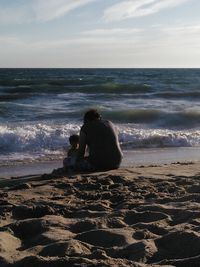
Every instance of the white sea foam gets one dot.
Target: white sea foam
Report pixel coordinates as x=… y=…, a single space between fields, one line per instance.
x=148 y=138
x=45 y=141
x=33 y=138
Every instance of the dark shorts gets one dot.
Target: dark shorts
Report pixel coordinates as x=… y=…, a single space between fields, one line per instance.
x=84 y=165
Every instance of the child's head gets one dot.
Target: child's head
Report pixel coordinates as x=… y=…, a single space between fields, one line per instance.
x=74 y=139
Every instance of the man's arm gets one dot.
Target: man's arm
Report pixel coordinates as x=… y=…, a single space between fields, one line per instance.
x=82 y=146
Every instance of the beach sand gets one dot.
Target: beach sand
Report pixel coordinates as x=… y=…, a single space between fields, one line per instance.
x=141 y=216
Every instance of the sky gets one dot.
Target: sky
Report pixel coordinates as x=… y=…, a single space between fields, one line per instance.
x=100 y=33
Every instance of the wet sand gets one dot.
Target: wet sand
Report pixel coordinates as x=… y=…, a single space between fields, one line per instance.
x=131 y=158
x=141 y=216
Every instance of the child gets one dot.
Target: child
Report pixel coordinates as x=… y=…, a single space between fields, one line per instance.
x=70 y=160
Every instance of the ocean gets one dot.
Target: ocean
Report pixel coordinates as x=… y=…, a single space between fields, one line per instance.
x=41 y=108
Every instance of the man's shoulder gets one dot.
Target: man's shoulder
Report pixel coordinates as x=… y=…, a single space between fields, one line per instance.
x=96 y=124
x=108 y=122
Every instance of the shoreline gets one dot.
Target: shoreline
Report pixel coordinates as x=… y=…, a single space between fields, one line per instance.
x=132 y=158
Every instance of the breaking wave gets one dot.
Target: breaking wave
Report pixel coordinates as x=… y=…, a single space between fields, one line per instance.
x=50 y=140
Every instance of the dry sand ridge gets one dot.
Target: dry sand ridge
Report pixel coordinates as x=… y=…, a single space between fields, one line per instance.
x=142 y=216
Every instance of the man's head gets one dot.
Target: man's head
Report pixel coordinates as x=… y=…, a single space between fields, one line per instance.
x=91 y=115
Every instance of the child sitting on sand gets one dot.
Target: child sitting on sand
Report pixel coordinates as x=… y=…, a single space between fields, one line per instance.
x=70 y=160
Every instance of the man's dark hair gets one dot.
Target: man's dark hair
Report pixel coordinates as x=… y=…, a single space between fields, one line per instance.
x=91 y=115
x=74 y=139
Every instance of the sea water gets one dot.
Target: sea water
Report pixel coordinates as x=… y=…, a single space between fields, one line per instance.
x=41 y=108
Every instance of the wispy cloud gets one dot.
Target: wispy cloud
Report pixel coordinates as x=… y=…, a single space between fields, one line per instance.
x=97 y=37
x=176 y=45
x=9 y=40
x=15 y=15
x=183 y=29
x=112 y=32
x=52 y=9
x=38 y=10
x=138 y=8
x=184 y=36
x=113 y=37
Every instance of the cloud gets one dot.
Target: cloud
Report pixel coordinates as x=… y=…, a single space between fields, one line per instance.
x=37 y=10
x=183 y=29
x=112 y=32
x=15 y=14
x=137 y=8
x=173 y=46
x=10 y=41
x=100 y=37
x=114 y=38
x=184 y=36
x=47 y=10
x=52 y=9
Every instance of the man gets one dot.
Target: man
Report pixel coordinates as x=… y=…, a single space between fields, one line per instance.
x=101 y=138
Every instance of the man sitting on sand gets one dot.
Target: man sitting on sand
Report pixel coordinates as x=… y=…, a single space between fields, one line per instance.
x=102 y=141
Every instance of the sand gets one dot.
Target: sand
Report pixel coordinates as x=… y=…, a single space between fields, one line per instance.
x=141 y=216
